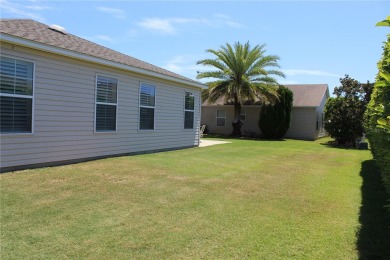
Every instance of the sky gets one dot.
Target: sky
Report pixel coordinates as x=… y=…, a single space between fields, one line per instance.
x=318 y=42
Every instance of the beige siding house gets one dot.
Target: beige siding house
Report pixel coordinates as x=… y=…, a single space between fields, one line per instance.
x=66 y=99
x=306 y=119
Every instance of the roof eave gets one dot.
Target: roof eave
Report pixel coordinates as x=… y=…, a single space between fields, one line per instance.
x=76 y=55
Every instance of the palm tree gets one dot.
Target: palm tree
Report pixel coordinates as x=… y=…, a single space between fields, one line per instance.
x=241 y=77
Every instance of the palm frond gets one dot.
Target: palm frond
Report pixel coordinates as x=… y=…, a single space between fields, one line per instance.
x=241 y=73
x=277 y=73
x=211 y=74
x=218 y=89
x=266 y=93
x=213 y=63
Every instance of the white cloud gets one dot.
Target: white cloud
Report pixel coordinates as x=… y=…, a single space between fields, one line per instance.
x=170 y=25
x=104 y=38
x=132 y=33
x=163 y=26
x=286 y=82
x=295 y=72
x=221 y=20
x=29 y=11
x=117 y=13
x=184 y=65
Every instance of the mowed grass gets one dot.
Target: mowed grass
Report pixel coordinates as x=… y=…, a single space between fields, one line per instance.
x=248 y=199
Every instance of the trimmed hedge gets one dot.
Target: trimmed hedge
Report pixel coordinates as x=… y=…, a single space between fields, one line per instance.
x=377 y=117
x=275 y=118
x=379 y=138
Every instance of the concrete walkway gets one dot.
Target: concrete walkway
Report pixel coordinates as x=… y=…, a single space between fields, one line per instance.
x=205 y=142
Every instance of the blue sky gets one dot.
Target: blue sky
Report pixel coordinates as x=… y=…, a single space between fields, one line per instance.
x=317 y=41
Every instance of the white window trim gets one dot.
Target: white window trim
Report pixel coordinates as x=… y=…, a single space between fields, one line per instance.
x=189 y=110
x=216 y=111
x=103 y=103
x=154 y=107
x=32 y=97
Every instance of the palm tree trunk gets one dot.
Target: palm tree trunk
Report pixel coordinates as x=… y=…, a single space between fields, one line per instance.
x=236 y=120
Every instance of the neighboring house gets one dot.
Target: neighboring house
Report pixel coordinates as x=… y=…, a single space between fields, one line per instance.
x=66 y=99
x=306 y=120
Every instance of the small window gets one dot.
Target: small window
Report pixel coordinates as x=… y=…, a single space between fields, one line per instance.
x=243 y=115
x=106 y=104
x=189 y=102
x=16 y=95
x=147 y=101
x=221 y=118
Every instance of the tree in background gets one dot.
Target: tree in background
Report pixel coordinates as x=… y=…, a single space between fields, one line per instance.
x=377 y=117
x=275 y=118
x=242 y=76
x=344 y=113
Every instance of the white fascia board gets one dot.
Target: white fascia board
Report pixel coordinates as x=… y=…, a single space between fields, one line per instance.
x=76 y=55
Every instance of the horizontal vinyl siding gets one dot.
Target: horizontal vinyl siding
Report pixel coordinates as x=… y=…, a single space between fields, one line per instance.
x=64 y=114
x=250 y=124
x=209 y=118
x=303 y=123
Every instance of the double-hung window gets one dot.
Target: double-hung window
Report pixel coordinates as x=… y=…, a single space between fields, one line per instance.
x=221 y=117
x=147 y=103
x=106 y=104
x=189 y=110
x=16 y=95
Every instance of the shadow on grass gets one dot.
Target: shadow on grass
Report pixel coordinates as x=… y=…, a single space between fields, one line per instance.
x=374 y=235
x=334 y=144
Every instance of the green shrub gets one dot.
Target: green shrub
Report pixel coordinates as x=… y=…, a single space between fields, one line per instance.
x=344 y=113
x=377 y=117
x=275 y=118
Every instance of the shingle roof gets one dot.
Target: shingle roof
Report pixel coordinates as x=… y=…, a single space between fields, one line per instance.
x=305 y=95
x=41 y=33
x=308 y=95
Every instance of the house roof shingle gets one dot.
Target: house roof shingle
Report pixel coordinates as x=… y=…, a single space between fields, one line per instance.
x=308 y=95
x=305 y=95
x=38 y=32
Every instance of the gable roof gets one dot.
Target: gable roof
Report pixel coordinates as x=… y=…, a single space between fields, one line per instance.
x=33 y=34
x=305 y=95
x=308 y=95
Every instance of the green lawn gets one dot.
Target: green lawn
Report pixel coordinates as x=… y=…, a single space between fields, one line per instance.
x=248 y=199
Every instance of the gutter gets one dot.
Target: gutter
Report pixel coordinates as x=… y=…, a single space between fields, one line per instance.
x=76 y=55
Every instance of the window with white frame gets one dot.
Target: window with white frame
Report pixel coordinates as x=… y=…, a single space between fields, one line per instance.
x=147 y=103
x=106 y=104
x=243 y=115
x=189 y=103
x=16 y=95
x=221 y=117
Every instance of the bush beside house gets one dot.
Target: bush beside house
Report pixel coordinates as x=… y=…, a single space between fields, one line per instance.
x=275 y=118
